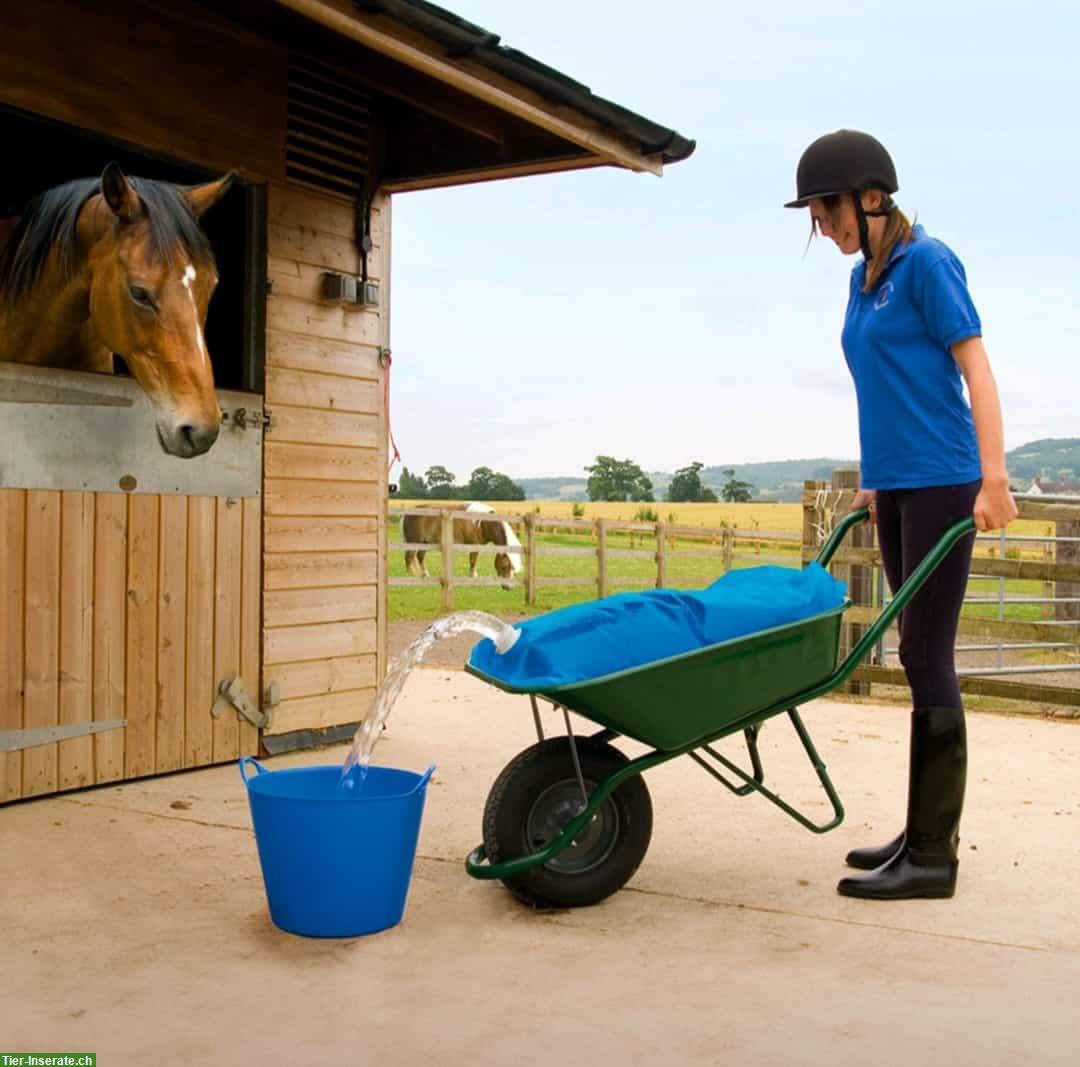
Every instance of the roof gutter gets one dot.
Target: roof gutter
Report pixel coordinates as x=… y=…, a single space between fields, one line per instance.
x=415 y=50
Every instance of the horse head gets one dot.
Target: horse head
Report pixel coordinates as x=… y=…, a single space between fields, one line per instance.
x=504 y=568
x=152 y=274
x=495 y=532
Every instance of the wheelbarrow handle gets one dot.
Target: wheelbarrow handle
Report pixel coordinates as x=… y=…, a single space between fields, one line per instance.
x=901 y=598
x=840 y=532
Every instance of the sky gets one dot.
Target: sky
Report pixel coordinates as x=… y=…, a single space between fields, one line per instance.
x=542 y=321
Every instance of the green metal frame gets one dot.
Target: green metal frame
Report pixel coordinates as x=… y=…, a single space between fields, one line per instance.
x=476 y=863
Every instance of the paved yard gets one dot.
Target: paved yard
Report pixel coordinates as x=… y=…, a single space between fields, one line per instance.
x=134 y=922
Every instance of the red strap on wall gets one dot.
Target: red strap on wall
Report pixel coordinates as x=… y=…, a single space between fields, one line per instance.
x=396 y=457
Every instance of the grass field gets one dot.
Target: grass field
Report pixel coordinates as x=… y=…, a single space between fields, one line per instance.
x=421 y=602
x=783 y=518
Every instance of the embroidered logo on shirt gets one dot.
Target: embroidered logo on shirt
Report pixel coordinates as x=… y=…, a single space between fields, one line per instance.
x=883 y=296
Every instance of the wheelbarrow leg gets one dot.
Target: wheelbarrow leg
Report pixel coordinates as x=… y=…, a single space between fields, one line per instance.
x=754 y=783
x=750 y=733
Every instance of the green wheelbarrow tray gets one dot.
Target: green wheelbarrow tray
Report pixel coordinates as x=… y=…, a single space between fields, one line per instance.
x=684 y=703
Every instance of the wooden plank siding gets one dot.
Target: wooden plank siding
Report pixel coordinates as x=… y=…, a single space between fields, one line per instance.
x=12 y=599
x=325 y=495
x=124 y=607
x=222 y=102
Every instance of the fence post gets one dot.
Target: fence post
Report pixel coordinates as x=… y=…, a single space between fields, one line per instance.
x=601 y=558
x=1067 y=552
x=530 y=558
x=728 y=558
x=661 y=555
x=446 y=544
x=859 y=579
x=1048 y=585
x=811 y=518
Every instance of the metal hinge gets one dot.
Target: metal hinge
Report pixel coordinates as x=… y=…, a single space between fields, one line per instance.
x=249 y=420
x=231 y=692
x=17 y=740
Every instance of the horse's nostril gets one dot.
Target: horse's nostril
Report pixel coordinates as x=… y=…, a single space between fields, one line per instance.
x=195 y=440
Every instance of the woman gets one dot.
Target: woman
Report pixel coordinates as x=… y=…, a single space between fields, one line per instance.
x=911 y=333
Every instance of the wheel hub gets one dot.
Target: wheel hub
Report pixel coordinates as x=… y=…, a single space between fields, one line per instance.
x=551 y=812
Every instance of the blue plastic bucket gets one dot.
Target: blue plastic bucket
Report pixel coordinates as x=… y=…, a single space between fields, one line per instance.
x=335 y=863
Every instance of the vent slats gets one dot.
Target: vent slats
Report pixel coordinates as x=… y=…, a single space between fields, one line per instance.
x=329 y=122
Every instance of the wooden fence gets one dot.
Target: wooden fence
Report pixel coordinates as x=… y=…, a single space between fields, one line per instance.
x=716 y=542
x=855 y=562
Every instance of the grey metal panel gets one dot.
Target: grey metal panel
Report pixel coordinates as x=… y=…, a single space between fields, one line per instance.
x=67 y=430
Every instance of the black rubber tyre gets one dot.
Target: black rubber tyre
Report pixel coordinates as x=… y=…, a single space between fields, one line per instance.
x=537 y=794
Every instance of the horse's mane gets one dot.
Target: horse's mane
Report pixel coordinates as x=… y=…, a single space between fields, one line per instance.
x=50 y=218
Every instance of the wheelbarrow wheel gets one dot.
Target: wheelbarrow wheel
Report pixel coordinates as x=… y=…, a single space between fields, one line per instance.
x=537 y=794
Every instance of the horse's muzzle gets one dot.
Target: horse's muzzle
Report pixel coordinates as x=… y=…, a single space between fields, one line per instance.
x=187 y=440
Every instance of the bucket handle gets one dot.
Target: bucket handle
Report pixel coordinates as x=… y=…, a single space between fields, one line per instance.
x=245 y=762
x=424 y=778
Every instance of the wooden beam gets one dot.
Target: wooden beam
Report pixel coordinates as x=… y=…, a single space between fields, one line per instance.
x=416 y=51
x=490 y=174
x=993 y=629
x=991 y=687
x=1034 y=570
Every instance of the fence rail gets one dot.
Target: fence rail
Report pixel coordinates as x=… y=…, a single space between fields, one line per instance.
x=1058 y=570
x=528 y=525
x=997 y=559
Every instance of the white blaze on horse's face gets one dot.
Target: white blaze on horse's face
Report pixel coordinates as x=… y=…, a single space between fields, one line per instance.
x=190 y=274
x=160 y=308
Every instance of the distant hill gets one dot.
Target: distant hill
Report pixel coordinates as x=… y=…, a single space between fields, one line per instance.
x=567 y=488
x=779 y=481
x=1051 y=458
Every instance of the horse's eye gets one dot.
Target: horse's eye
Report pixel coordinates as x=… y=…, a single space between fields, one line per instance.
x=142 y=297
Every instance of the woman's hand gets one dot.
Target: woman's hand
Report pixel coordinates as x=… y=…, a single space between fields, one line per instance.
x=866 y=498
x=994 y=506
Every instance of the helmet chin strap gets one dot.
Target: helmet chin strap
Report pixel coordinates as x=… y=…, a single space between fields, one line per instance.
x=861 y=215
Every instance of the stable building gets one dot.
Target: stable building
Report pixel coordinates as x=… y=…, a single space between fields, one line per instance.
x=160 y=613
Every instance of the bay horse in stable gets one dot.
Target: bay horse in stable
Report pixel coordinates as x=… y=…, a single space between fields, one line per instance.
x=427 y=529
x=118 y=265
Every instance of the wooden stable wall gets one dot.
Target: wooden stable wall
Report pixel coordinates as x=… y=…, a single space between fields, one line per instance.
x=124 y=607
x=131 y=70
x=325 y=526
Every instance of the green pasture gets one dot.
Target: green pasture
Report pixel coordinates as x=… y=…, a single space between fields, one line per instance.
x=425 y=602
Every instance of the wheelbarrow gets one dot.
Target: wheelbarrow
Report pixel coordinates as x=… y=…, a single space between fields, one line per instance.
x=568 y=821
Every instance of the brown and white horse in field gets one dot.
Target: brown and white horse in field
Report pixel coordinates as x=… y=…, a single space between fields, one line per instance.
x=467 y=531
x=120 y=266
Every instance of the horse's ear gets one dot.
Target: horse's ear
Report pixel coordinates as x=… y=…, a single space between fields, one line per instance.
x=201 y=198
x=120 y=194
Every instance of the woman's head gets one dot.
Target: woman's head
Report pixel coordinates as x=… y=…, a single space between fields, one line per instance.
x=846 y=179
x=835 y=217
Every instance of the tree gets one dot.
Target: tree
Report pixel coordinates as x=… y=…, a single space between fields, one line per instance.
x=735 y=491
x=486 y=484
x=686 y=486
x=440 y=483
x=410 y=486
x=618 y=479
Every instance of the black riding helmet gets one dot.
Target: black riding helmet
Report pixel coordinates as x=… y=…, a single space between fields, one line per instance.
x=847 y=161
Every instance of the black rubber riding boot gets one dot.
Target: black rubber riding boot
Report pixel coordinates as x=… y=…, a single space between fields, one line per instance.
x=926 y=866
x=868 y=859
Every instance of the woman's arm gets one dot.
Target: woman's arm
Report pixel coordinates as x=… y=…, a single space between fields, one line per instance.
x=994 y=507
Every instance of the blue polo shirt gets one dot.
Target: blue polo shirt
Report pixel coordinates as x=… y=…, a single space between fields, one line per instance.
x=915 y=426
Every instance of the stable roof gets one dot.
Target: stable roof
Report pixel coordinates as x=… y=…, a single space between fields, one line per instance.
x=572 y=127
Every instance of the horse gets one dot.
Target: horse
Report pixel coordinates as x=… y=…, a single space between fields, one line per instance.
x=118 y=266
x=428 y=529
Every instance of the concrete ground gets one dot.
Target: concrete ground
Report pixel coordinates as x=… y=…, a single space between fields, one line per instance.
x=134 y=923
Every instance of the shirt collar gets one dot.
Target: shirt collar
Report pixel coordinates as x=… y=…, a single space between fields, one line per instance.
x=899 y=250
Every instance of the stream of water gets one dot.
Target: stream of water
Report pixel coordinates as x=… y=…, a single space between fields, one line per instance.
x=359 y=758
